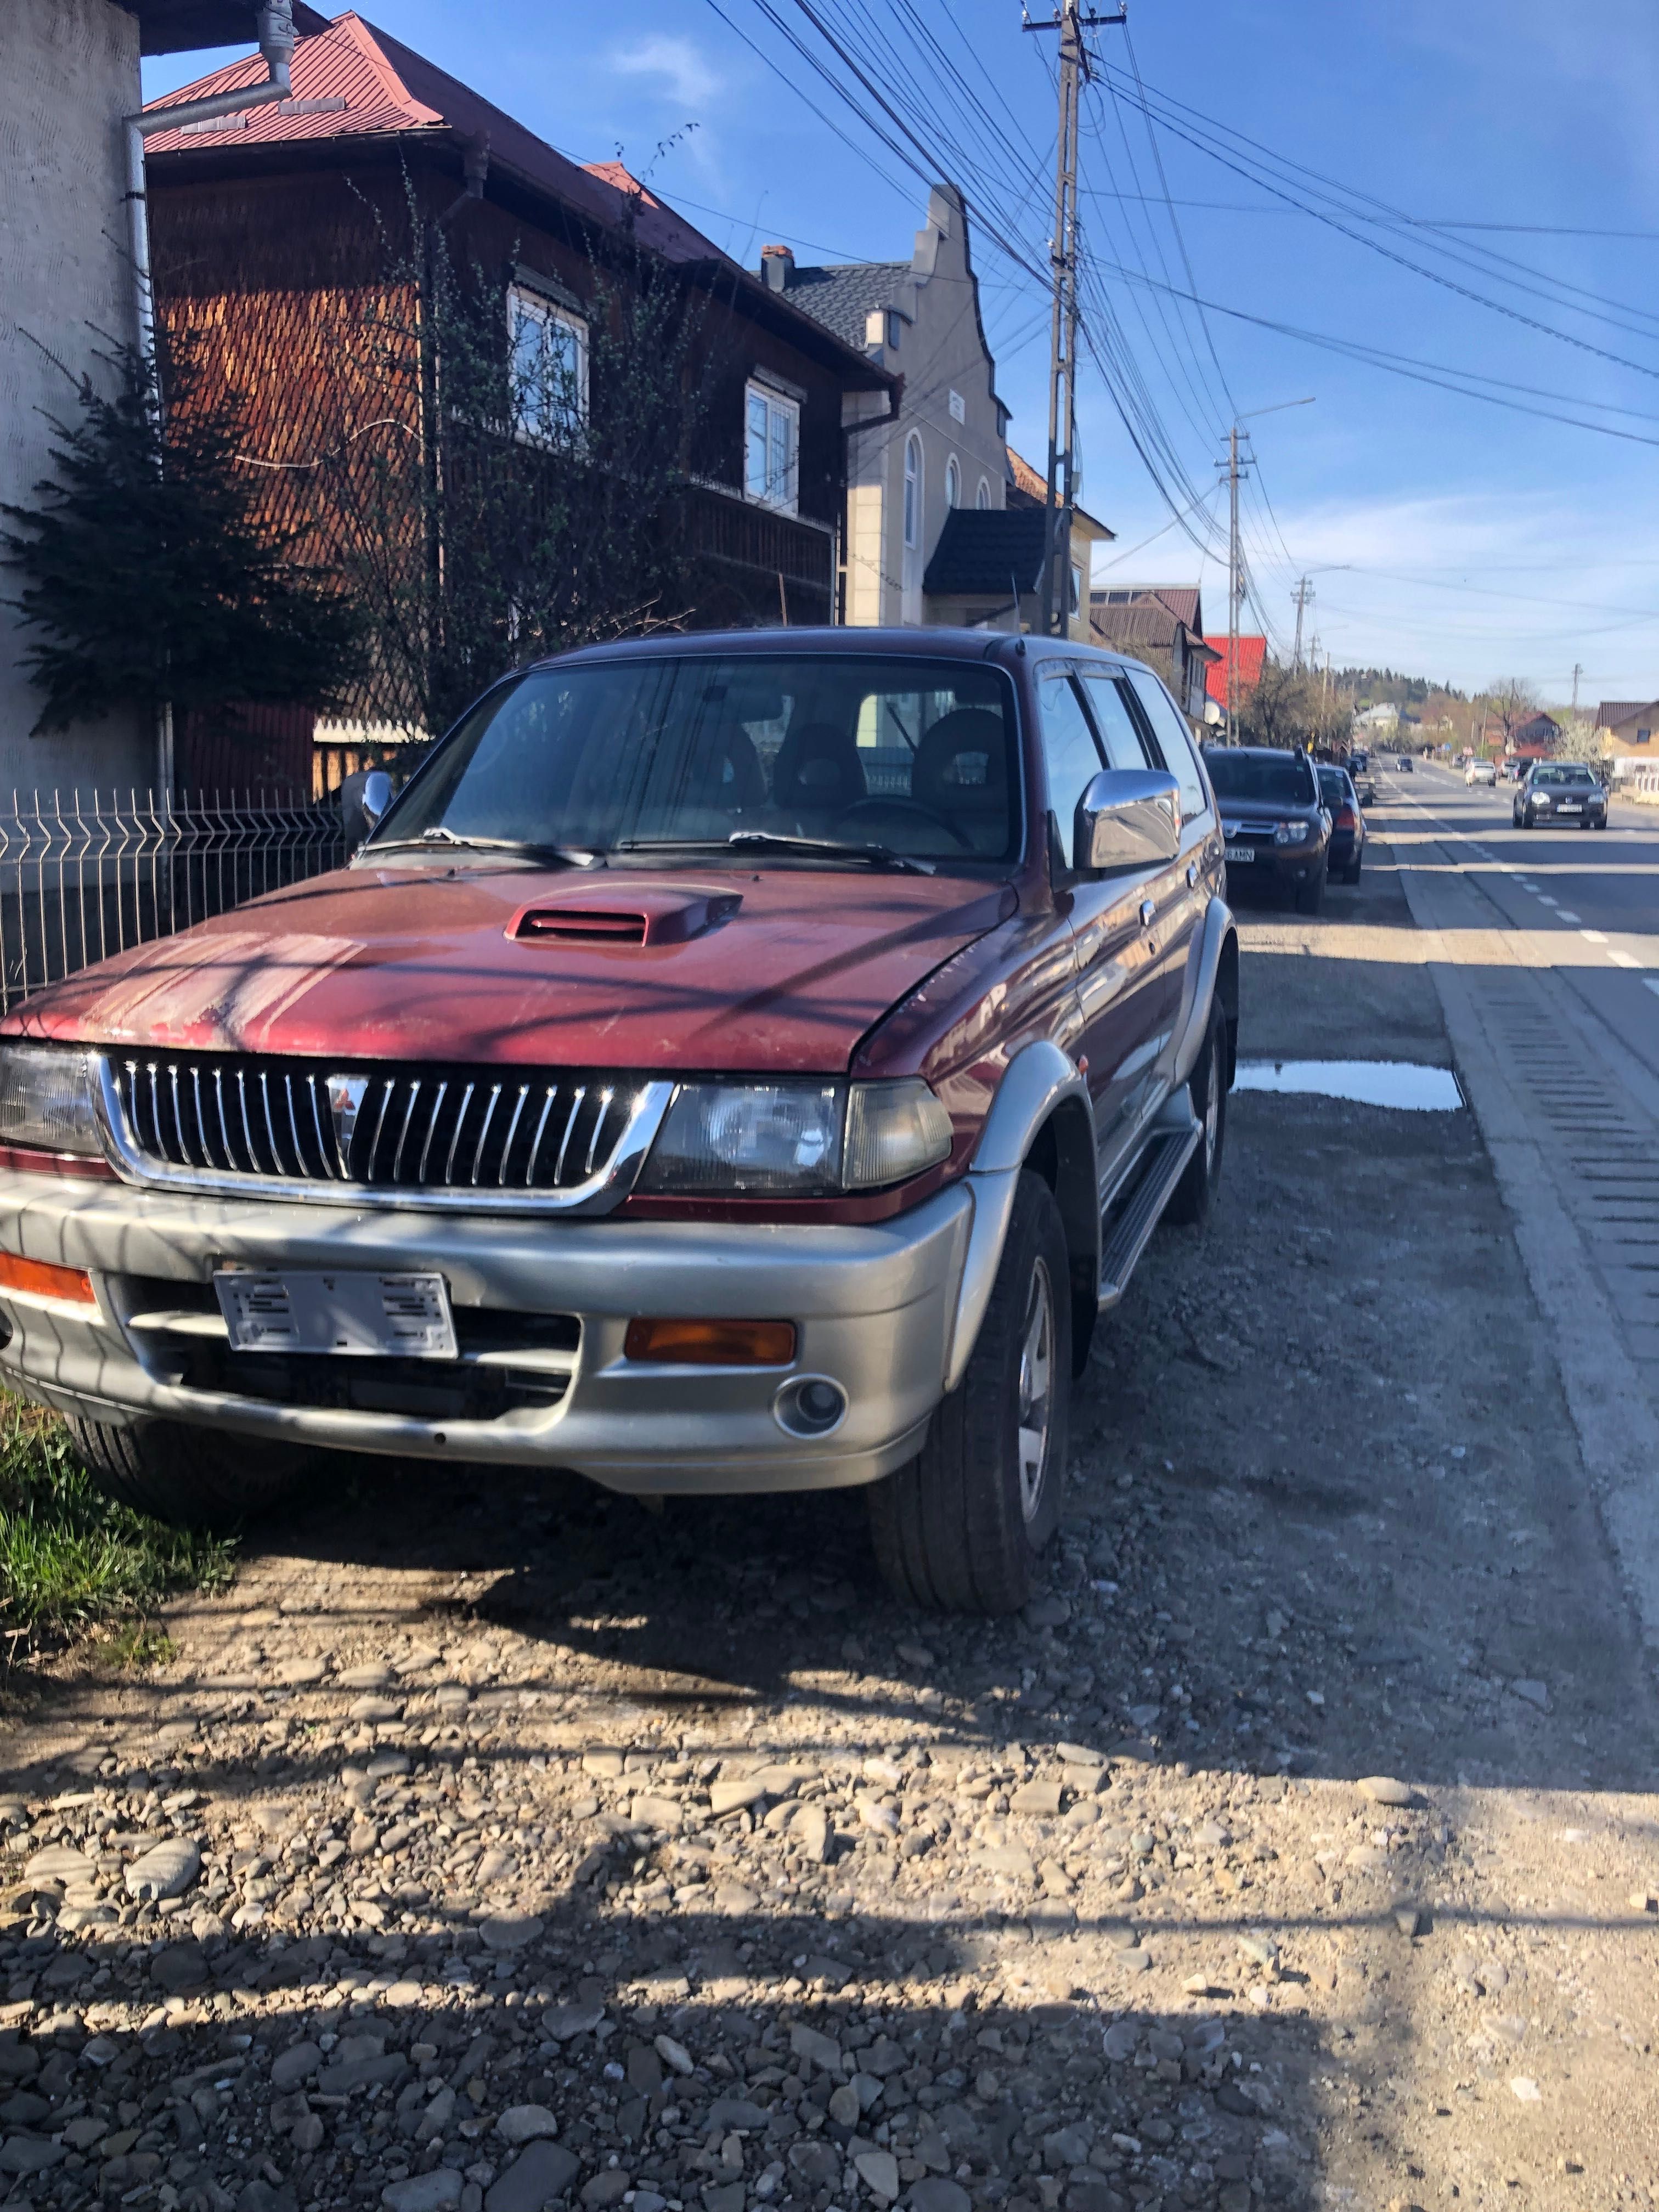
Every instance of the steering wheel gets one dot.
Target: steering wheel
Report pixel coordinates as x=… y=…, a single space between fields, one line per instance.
x=910 y=806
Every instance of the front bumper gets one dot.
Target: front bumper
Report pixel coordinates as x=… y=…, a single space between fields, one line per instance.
x=875 y=1309
x=1276 y=867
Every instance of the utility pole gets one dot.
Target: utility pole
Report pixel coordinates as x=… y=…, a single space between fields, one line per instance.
x=1234 y=586
x=1578 y=671
x=1302 y=595
x=1236 y=561
x=1071 y=20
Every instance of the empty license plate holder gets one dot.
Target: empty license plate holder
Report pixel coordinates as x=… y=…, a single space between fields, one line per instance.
x=350 y=1312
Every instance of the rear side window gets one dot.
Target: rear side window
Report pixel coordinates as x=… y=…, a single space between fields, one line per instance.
x=1169 y=728
x=1069 y=750
x=1118 y=733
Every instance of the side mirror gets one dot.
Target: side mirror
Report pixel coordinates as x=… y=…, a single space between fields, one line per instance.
x=1126 y=818
x=376 y=795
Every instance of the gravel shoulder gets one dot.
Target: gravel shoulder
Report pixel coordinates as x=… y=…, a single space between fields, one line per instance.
x=507 y=1846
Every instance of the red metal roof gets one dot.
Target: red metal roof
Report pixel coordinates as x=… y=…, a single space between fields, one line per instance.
x=1252 y=652
x=345 y=62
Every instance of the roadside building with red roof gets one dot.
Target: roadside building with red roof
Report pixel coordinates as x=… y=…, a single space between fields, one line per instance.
x=1252 y=653
x=285 y=236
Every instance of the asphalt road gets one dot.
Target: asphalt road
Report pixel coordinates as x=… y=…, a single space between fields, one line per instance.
x=1592 y=897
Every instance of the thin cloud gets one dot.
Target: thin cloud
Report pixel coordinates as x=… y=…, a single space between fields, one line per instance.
x=677 y=66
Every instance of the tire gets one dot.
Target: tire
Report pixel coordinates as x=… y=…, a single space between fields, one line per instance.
x=190 y=1478
x=1602 y=823
x=1194 y=1195
x=1353 y=876
x=1310 y=899
x=960 y=1529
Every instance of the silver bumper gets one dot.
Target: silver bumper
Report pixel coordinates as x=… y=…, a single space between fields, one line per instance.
x=875 y=1309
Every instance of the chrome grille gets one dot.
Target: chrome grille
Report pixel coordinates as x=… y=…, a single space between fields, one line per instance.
x=429 y=1128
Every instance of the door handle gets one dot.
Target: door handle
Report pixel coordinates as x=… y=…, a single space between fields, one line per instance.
x=1148 y=909
x=1192 y=874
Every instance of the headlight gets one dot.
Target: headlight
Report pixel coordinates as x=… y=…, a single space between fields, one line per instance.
x=795 y=1139
x=46 y=1099
x=1292 y=833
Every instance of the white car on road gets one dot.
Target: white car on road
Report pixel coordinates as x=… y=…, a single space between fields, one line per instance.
x=1480 y=772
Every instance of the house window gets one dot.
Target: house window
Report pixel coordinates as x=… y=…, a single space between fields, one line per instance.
x=894 y=324
x=550 y=367
x=1077 y=587
x=771 y=461
x=912 y=493
x=952 y=483
x=982 y=496
x=1643 y=737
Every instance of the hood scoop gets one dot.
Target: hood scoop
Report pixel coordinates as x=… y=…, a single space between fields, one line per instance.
x=638 y=917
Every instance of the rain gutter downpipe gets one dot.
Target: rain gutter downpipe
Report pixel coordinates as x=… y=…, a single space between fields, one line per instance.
x=277 y=43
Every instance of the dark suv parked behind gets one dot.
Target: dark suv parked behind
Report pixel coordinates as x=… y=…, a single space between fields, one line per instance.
x=1278 y=830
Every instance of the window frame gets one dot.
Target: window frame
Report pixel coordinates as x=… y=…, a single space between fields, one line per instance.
x=914 y=481
x=526 y=303
x=982 y=496
x=952 y=483
x=779 y=407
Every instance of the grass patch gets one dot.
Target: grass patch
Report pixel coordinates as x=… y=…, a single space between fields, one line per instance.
x=73 y=1560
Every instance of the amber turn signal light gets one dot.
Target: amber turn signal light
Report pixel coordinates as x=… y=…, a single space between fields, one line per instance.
x=713 y=1343
x=38 y=1279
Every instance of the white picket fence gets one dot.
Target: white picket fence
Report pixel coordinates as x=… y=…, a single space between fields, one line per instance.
x=81 y=879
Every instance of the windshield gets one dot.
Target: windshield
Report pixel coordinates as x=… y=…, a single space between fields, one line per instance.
x=914 y=758
x=1275 y=778
x=1578 y=775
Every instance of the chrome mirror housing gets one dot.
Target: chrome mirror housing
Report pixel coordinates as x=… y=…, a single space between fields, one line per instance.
x=1126 y=818
x=376 y=795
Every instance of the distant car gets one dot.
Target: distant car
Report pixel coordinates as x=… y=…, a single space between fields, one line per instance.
x=1515 y=771
x=1404 y=764
x=1479 y=771
x=1336 y=788
x=1560 y=791
x=1358 y=759
x=1274 y=820
x=1363 y=782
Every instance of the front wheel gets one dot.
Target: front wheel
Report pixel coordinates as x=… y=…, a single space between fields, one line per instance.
x=1310 y=898
x=190 y=1478
x=1194 y=1195
x=960 y=1529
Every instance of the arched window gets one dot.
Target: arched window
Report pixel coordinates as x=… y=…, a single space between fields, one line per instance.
x=982 y=497
x=913 y=492
x=952 y=483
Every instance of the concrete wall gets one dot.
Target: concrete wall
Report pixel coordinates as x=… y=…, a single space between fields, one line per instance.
x=69 y=72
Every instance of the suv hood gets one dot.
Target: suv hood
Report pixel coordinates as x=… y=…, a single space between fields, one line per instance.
x=629 y=968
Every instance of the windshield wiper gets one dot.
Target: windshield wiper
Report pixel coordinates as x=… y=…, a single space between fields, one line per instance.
x=569 y=856
x=775 y=840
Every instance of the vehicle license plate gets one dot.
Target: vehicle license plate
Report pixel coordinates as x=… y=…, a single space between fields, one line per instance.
x=402 y=1316
x=1241 y=852
x=1569 y=806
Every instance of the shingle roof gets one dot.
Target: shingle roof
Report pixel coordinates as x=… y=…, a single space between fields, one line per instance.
x=1184 y=601
x=841 y=297
x=987 y=552
x=1612 y=711
x=1252 y=652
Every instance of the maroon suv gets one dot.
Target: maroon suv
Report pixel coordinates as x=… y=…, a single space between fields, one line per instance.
x=731 y=1064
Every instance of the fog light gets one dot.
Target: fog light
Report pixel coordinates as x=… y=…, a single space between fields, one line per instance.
x=809 y=1405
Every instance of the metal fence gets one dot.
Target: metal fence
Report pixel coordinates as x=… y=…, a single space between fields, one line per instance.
x=80 y=878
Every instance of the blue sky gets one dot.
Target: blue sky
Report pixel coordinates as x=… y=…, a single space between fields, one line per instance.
x=1444 y=537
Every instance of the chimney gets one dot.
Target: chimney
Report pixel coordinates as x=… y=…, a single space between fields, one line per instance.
x=777 y=264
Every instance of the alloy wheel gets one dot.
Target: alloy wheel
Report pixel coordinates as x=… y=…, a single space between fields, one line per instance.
x=1036 y=1365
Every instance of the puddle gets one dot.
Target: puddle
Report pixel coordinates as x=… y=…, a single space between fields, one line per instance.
x=1365 y=1082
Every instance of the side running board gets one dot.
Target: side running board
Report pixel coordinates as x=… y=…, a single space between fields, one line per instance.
x=1131 y=1232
